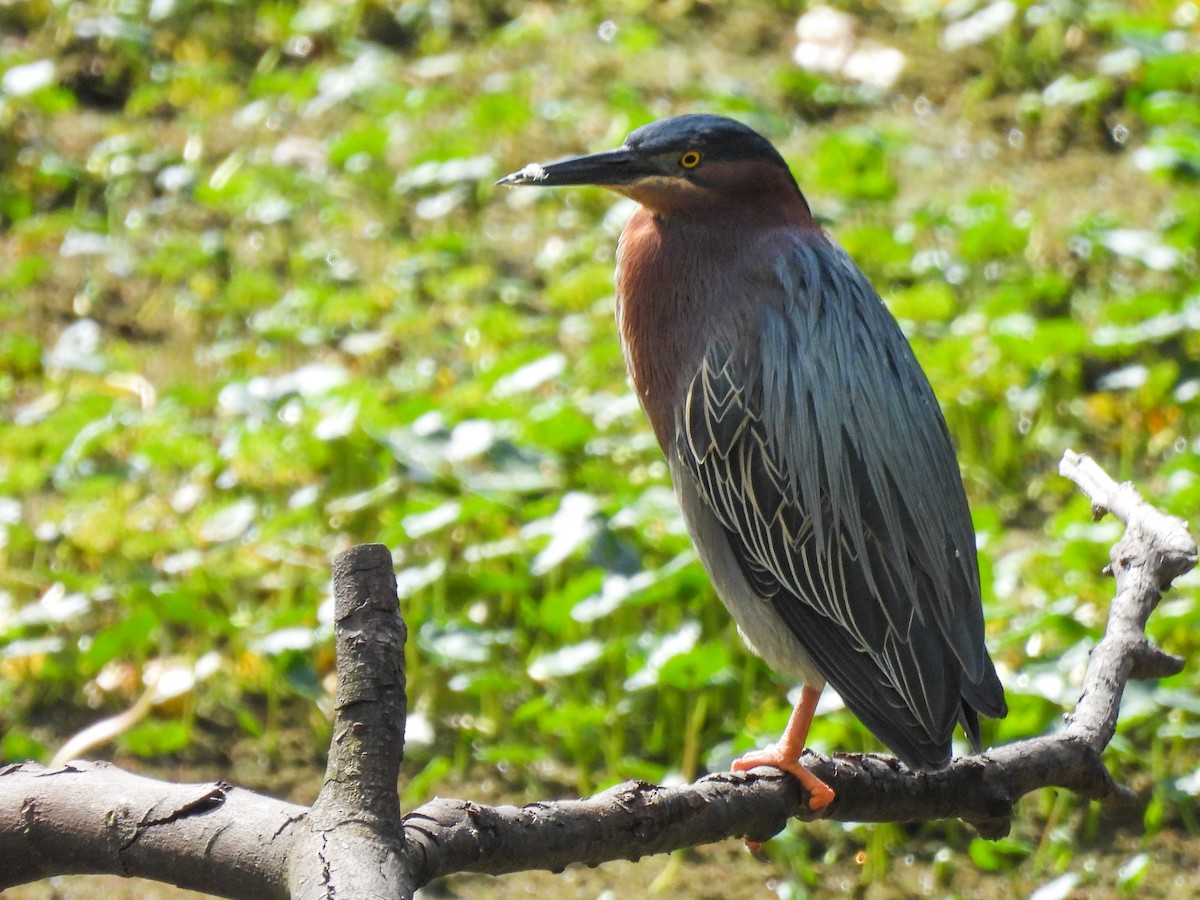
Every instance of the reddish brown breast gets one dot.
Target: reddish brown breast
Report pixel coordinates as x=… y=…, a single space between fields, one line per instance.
x=687 y=275
x=657 y=316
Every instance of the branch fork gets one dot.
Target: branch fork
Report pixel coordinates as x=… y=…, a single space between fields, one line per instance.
x=93 y=817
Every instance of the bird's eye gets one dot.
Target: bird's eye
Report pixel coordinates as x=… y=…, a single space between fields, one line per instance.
x=690 y=160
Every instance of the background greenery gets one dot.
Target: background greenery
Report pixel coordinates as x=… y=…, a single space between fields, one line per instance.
x=260 y=301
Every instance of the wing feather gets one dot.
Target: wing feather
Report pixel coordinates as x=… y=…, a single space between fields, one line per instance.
x=816 y=440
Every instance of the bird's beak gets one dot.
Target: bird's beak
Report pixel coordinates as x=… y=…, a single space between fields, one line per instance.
x=612 y=167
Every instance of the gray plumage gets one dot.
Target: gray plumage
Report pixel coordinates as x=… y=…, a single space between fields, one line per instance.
x=843 y=507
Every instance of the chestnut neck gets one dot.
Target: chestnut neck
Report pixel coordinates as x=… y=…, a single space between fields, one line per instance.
x=683 y=273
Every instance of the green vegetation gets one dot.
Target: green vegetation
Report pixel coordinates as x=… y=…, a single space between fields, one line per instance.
x=259 y=301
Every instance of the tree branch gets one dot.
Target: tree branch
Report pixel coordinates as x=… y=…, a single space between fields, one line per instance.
x=91 y=817
x=1154 y=550
x=639 y=819
x=352 y=841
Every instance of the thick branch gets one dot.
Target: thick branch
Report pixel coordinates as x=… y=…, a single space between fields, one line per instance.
x=217 y=838
x=352 y=841
x=91 y=817
x=636 y=819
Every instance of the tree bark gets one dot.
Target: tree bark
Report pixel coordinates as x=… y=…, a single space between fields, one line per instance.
x=92 y=817
x=351 y=843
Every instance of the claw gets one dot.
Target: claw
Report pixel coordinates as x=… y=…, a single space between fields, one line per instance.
x=820 y=795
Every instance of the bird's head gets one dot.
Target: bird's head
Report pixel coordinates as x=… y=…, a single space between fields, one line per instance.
x=692 y=165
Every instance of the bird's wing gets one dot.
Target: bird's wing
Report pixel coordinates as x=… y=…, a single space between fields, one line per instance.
x=817 y=442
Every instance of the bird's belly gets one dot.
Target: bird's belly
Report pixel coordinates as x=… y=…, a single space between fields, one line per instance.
x=769 y=638
x=764 y=632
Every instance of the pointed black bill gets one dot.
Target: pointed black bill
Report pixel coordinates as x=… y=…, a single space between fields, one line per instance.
x=610 y=167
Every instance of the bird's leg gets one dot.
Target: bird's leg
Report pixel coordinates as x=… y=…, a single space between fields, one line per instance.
x=785 y=754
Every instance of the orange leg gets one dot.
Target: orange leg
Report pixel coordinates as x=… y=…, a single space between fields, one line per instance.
x=785 y=754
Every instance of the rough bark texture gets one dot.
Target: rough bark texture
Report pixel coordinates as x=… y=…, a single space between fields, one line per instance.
x=91 y=817
x=350 y=845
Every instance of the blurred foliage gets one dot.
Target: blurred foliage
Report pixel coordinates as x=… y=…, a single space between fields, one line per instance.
x=259 y=301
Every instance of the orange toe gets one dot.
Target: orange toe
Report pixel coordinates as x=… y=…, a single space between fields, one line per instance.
x=820 y=795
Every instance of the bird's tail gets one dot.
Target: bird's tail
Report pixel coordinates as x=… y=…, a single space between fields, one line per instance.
x=986 y=697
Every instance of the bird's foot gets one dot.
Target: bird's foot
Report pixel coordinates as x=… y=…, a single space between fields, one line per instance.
x=820 y=795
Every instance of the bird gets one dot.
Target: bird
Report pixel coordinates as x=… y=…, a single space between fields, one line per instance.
x=810 y=458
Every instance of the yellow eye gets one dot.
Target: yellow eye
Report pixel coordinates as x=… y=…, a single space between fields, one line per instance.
x=690 y=160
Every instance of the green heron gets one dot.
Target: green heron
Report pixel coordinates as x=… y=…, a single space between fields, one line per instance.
x=811 y=461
